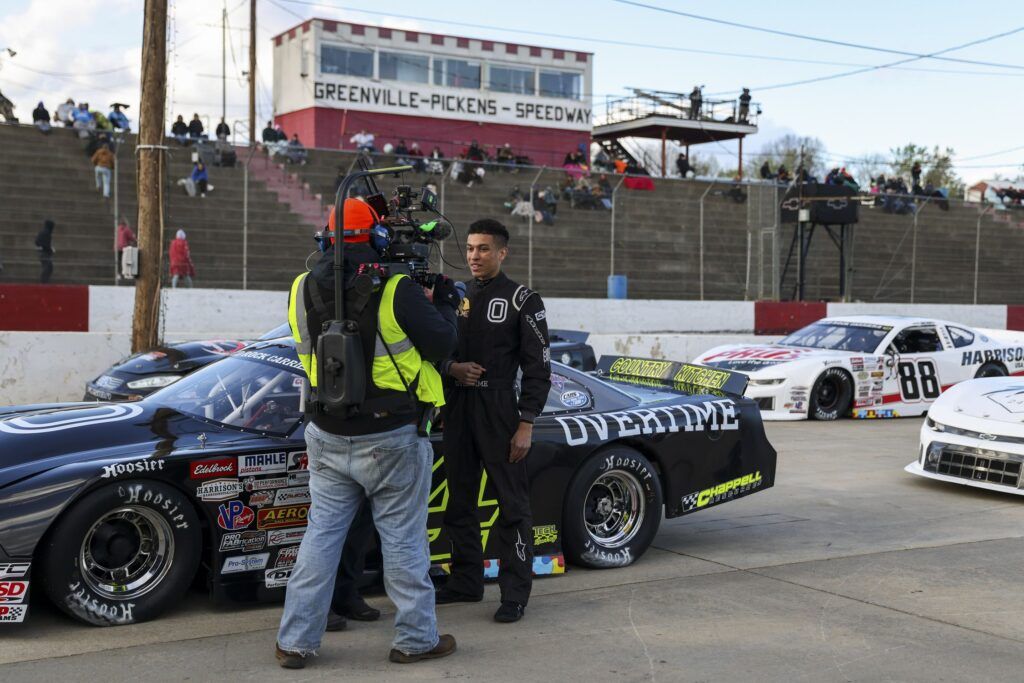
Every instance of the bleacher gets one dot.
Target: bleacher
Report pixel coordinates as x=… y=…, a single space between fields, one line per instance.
x=657 y=234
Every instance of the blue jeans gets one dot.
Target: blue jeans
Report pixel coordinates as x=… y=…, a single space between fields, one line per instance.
x=393 y=470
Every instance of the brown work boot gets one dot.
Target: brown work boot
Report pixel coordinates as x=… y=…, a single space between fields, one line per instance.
x=445 y=646
x=288 y=659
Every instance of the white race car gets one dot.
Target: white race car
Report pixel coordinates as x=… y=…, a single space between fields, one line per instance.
x=974 y=435
x=867 y=365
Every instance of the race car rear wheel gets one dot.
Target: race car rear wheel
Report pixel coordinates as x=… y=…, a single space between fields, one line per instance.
x=612 y=509
x=991 y=370
x=123 y=554
x=831 y=395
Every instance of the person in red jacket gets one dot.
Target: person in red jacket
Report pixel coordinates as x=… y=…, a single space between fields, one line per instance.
x=181 y=260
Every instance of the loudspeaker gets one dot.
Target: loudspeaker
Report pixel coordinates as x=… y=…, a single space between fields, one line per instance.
x=829 y=204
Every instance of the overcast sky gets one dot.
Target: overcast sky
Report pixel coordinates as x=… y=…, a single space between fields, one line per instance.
x=62 y=45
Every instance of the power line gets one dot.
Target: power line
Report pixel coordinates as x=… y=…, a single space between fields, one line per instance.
x=800 y=36
x=60 y=74
x=610 y=41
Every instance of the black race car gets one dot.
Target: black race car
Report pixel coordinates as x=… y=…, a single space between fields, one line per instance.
x=111 y=509
x=143 y=373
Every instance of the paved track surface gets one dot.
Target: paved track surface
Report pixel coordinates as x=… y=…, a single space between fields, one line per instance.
x=848 y=570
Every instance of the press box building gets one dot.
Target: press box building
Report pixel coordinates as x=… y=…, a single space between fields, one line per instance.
x=333 y=79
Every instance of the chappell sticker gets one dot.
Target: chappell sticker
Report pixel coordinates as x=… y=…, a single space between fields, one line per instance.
x=721 y=492
x=245 y=563
x=13 y=613
x=262 y=463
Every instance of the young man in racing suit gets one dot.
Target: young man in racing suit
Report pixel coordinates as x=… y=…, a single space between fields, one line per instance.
x=502 y=328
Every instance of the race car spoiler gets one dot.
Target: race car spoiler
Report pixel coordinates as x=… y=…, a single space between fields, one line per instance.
x=667 y=374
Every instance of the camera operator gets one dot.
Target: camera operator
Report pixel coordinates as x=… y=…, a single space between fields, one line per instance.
x=502 y=328
x=376 y=454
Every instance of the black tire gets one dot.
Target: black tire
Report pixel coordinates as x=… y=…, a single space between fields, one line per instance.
x=112 y=528
x=595 y=532
x=831 y=395
x=991 y=369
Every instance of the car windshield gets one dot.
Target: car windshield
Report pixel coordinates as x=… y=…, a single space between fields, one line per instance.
x=281 y=330
x=255 y=390
x=839 y=336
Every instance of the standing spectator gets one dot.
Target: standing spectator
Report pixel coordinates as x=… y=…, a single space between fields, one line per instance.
x=683 y=165
x=125 y=239
x=103 y=167
x=783 y=174
x=118 y=119
x=269 y=134
x=363 y=141
x=915 y=174
x=180 y=130
x=602 y=162
x=181 y=260
x=766 y=171
x=744 y=106
x=696 y=101
x=223 y=130
x=195 y=128
x=41 y=119
x=65 y=113
x=44 y=243
x=605 y=188
x=84 y=122
x=200 y=178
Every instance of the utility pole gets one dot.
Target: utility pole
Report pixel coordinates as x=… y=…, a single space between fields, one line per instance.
x=146 y=319
x=252 y=72
x=224 y=62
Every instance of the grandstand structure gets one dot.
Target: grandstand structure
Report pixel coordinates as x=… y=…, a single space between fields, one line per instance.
x=658 y=236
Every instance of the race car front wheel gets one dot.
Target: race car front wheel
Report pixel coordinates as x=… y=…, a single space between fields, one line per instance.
x=831 y=395
x=612 y=509
x=991 y=370
x=123 y=554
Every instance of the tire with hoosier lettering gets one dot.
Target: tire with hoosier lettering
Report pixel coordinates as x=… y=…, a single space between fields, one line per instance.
x=122 y=554
x=831 y=395
x=612 y=509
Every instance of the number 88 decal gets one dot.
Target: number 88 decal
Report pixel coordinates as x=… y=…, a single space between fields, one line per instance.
x=919 y=379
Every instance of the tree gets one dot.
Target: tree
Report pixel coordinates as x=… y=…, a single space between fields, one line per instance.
x=869 y=167
x=793 y=151
x=936 y=164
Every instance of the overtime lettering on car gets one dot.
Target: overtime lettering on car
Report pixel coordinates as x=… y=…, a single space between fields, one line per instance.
x=719 y=415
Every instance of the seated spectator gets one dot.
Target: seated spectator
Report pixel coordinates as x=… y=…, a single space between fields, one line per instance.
x=102 y=122
x=683 y=165
x=181 y=260
x=296 y=152
x=602 y=162
x=363 y=141
x=103 y=167
x=475 y=152
x=506 y=158
x=582 y=194
x=783 y=175
x=65 y=113
x=545 y=204
x=180 y=130
x=269 y=134
x=766 y=171
x=118 y=119
x=195 y=128
x=620 y=166
x=84 y=122
x=466 y=173
x=200 y=178
x=435 y=166
x=416 y=158
x=41 y=119
x=603 y=192
x=223 y=130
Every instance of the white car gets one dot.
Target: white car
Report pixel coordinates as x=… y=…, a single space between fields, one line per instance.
x=867 y=366
x=974 y=435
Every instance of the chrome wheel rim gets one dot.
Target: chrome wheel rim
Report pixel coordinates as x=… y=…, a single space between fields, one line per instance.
x=126 y=553
x=614 y=508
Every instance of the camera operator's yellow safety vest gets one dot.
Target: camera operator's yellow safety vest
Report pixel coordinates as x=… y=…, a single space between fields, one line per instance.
x=406 y=359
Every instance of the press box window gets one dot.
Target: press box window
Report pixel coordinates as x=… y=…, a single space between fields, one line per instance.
x=399 y=66
x=345 y=61
x=960 y=337
x=456 y=73
x=563 y=84
x=505 y=79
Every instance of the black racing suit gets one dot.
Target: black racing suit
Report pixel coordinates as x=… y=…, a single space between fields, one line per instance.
x=502 y=327
x=432 y=331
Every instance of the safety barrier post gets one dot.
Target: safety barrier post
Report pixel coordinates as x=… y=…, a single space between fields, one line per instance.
x=977 y=250
x=529 y=234
x=245 y=218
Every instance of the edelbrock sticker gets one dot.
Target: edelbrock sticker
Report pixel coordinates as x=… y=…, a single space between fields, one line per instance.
x=56 y=422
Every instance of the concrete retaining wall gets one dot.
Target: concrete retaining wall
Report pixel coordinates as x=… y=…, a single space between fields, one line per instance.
x=42 y=368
